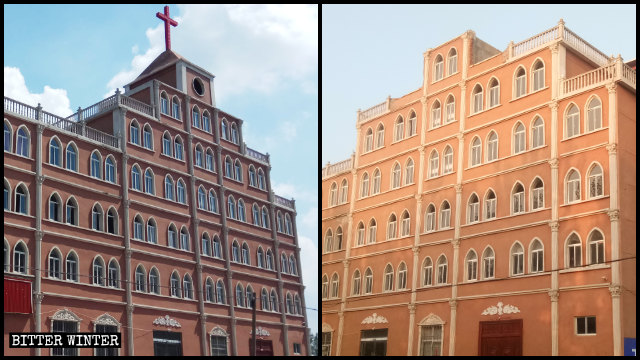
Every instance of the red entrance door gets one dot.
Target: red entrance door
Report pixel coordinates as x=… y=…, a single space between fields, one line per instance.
x=263 y=347
x=500 y=338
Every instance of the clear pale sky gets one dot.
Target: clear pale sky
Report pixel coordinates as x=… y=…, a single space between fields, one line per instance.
x=265 y=59
x=372 y=51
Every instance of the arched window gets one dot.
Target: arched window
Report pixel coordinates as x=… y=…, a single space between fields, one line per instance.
x=8 y=135
x=114 y=274
x=537 y=256
x=110 y=169
x=368 y=140
x=96 y=217
x=427 y=272
x=179 y=152
x=434 y=164
x=21 y=202
x=148 y=139
x=328 y=241
x=264 y=299
x=490 y=205
x=519 y=138
x=388 y=278
x=134 y=132
x=149 y=186
x=376 y=182
x=450 y=108
x=265 y=218
x=373 y=229
x=574 y=255
x=238 y=168
x=344 y=188
x=241 y=213
x=398 y=129
x=430 y=218
x=152 y=233
x=594 y=114
x=252 y=175
x=234 y=134
x=408 y=175
x=245 y=254
x=206 y=121
x=538 y=75
x=355 y=287
x=283 y=263
x=112 y=221
x=537 y=194
x=391 y=227
x=488 y=263
x=135 y=177
x=72 y=211
x=494 y=93
x=168 y=188
x=473 y=209
x=380 y=136
x=435 y=114
x=596 y=248
x=476 y=98
x=447 y=157
x=249 y=296
x=164 y=103
x=261 y=181
x=595 y=179
x=442 y=270
x=175 y=108
x=154 y=281
x=520 y=87
x=395 y=175
x=96 y=165
x=195 y=116
x=72 y=157
x=492 y=146
x=471 y=265
x=55 y=264
x=184 y=239
x=452 y=62
x=220 y=295
x=411 y=124
x=175 y=285
x=72 y=266
x=572 y=187
x=334 y=286
x=181 y=196
x=476 y=151
x=517 y=199
x=406 y=224
x=274 y=301
x=402 y=276
x=260 y=257
x=217 y=248
x=224 y=127
x=141 y=279
x=209 y=162
x=137 y=228
x=55 y=208
x=517 y=259
x=256 y=215
x=199 y=156
x=269 y=260
x=293 y=269
x=98 y=271
x=280 y=222
x=228 y=168
x=172 y=238
x=20 y=258
x=360 y=233
x=54 y=152
x=208 y=290
x=368 y=281
x=213 y=201
x=22 y=141
x=438 y=69
x=537 y=133
x=235 y=252
x=572 y=122
x=445 y=215
x=187 y=286
x=202 y=198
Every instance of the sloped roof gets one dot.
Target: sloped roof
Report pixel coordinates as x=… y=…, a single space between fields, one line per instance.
x=164 y=60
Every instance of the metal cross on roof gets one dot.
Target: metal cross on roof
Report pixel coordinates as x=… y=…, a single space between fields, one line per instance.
x=167 y=21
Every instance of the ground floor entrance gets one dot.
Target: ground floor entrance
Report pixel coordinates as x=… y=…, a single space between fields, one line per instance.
x=500 y=338
x=373 y=342
x=263 y=347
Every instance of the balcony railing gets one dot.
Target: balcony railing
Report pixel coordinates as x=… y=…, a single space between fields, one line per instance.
x=284 y=202
x=585 y=48
x=337 y=168
x=257 y=155
x=374 y=111
x=614 y=71
x=535 y=42
x=111 y=103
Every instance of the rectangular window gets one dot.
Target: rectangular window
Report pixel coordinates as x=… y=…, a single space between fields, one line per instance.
x=536 y=261
x=444 y=221
x=64 y=327
x=453 y=64
x=167 y=343
x=106 y=351
x=361 y=236
x=477 y=102
x=439 y=68
x=296 y=349
x=451 y=112
x=538 y=79
x=435 y=115
x=430 y=222
x=538 y=200
x=491 y=208
x=431 y=340
x=373 y=342
x=493 y=96
x=520 y=88
x=326 y=344
x=218 y=346
x=585 y=325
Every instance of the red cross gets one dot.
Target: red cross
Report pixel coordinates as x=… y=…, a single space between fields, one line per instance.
x=167 y=21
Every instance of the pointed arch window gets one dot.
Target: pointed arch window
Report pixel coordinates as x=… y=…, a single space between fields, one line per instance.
x=137 y=228
x=260 y=257
x=168 y=188
x=187 y=286
x=344 y=189
x=368 y=140
x=355 y=287
x=368 y=281
x=179 y=147
x=199 y=156
x=8 y=134
x=434 y=166
x=164 y=103
x=154 y=281
x=399 y=129
x=388 y=278
x=175 y=108
x=72 y=266
x=376 y=182
x=360 y=233
x=196 y=117
x=447 y=157
x=274 y=301
x=537 y=133
x=152 y=233
x=537 y=257
x=261 y=180
x=574 y=255
x=406 y=224
x=364 y=190
x=517 y=197
x=175 y=285
x=209 y=163
x=477 y=98
x=245 y=254
x=488 y=263
x=241 y=213
x=110 y=170
x=234 y=133
x=134 y=132
x=184 y=239
x=438 y=69
x=391 y=227
x=220 y=296
x=452 y=62
x=334 y=286
x=472 y=266
x=180 y=192
x=473 y=209
x=202 y=199
x=521 y=82
x=213 y=202
x=72 y=158
x=427 y=272
x=96 y=218
x=173 y=237
x=517 y=259
x=594 y=115
x=149 y=186
x=238 y=169
x=217 y=248
x=54 y=264
x=206 y=121
x=573 y=187
x=408 y=177
x=402 y=276
x=572 y=120
x=328 y=241
x=596 y=248
x=54 y=152
x=595 y=179
x=494 y=93
x=396 y=176
x=445 y=215
x=538 y=75
x=256 y=215
x=380 y=136
x=72 y=211
x=22 y=199
x=98 y=271
x=96 y=165
x=435 y=114
x=283 y=263
x=208 y=290
x=490 y=207
x=442 y=270
x=537 y=195
x=476 y=151
x=411 y=124
x=492 y=147
x=373 y=229
x=265 y=218
x=141 y=282
x=55 y=208
x=430 y=219
x=235 y=251
x=450 y=108
x=114 y=274
x=519 y=139
x=252 y=175
x=135 y=177
x=22 y=142
x=223 y=126
x=148 y=140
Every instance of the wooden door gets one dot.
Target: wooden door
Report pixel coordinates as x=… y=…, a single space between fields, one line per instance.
x=500 y=338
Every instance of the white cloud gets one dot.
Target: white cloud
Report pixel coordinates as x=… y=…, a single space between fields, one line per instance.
x=289 y=191
x=52 y=100
x=311 y=218
x=249 y=47
x=309 y=265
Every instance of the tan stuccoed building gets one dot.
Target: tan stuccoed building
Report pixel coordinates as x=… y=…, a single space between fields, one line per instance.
x=489 y=212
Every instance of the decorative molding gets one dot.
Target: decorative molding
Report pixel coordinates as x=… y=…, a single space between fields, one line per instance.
x=423 y=100
x=611 y=87
x=614 y=215
x=554 y=48
x=326 y=328
x=507 y=309
x=125 y=157
x=65 y=315
x=460 y=136
x=455 y=242
x=39 y=297
x=416 y=250
x=612 y=148
x=127 y=203
x=453 y=303
x=106 y=319
x=40 y=179
x=431 y=319
x=554 y=106
x=39 y=235
x=196 y=221
x=554 y=225
x=554 y=294
x=462 y=85
x=218 y=331
x=554 y=163
x=615 y=290
x=130 y=307
x=40 y=128
x=260 y=331
x=346 y=263
x=412 y=308
x=458 y=188
x=166 y=321
x=203 y=317
x=127 y=254
x=374 y=319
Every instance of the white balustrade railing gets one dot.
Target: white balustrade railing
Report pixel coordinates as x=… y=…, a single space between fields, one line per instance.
x=136 y=105
x=585 y=48
x=101 y=137
x=535 y=41
x=284 y=202
x=337 y=168
x=374 y=111
x=591 y=78
x=21 y=109
x=257 y=155
x=629 y=75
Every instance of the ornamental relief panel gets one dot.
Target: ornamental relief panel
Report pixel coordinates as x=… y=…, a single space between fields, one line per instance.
x=375 y=319
x=500 y=309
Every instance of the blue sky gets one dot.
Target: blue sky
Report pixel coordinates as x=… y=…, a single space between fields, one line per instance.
x=265 y=59
x=372 y=51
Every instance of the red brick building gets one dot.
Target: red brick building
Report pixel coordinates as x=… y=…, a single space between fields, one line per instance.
x=147 y=214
